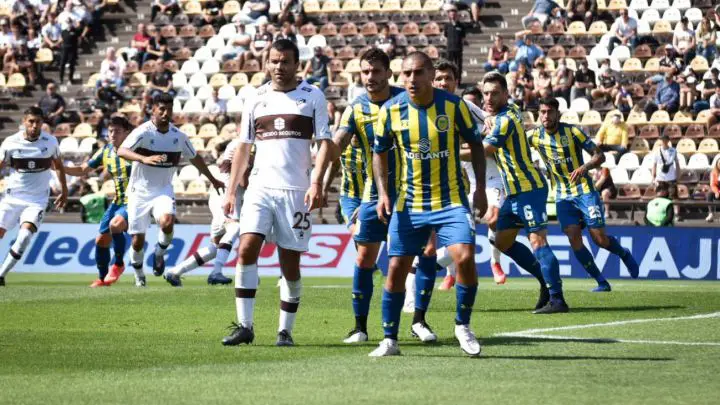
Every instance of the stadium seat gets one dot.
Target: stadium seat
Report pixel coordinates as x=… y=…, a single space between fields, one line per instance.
x=672 y=15
x=577 y=28
x=177 y=111
x=714 y=131
x=62 y=130
x=591 y=118
x=660 y=5
x=649 y=132
x=629 y=161
x=708 y=146
x=188 y=173
x=203 y=54
x=204 y=92
x=83 y=130
x=198 y=80
x=168 y=31
x=331 y=6
x=599 y=53
x=683 y=118
x=636 y=118
x=68 y=146
x=699 y=64
x=686 y=146
x=228 y=130
x=196 y=188
x=698 y=162
x=208 y=131
x=349 y=29
x=432 y=5
x=210 y=67
x=580 y=105
x=230 y=8
x=660 y=117
x=215 y=43
x=193 y=107
x=570 y=117
x=695 y=131
x=257 y=79
x=198 y=144
x=251 y=66
x=185 y=93
x=632 y=65
x=639 y=146
x=639 y=5
x=189 y=129
x=86 y=146
x=650 y=16
x=44 y=56
x=641 y=177
x=239 y=80
x=353 y=66
x=225 y=92
x=190 y=67
x=661 y=27
x=311 y=6
x=598 y=28
x=619 y=176
x=235 y=106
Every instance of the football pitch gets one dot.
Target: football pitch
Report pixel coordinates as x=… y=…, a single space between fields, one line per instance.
x=652 y=342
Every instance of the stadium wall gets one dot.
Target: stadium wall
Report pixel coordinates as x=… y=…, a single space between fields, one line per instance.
x=663 y=253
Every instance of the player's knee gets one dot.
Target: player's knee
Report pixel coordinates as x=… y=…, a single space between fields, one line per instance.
x=118 y=225
x=103 y=240
x=430 y=250
x=2 y=232
x=246 y=255
x=600 y=239
x=137 y=242
x=537 y=241
x=166 y=223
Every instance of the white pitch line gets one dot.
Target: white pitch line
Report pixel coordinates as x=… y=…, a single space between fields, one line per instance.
x=610 y=340
x=615 y=323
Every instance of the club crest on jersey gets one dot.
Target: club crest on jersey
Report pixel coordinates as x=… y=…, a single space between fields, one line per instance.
x=43 y=149
x=424 y=145
x=442 y=123
x=175 y=141
x=279 y=124
x=300 y=101
x=564 y=141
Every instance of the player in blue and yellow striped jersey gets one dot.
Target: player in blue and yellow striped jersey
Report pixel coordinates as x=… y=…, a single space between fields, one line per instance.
x=578 y=203
x=427 y=126
x=358 y=124
x=114 y=223
x=352 y=182
x=527 y=193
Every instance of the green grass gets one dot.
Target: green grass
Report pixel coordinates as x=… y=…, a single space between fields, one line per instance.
x=61 y=342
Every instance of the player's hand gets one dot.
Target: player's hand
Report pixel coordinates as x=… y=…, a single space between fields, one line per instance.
x=61 y=200
x=229 y=204
x=384 y=209
x=153 y=160
x=577 y=173
x=218 y=185
x=479 y=203
x=314 y=197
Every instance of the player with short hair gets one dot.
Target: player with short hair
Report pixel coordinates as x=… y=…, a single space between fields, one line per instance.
x=280 y=120
x=114 y=222
x=30 y=154
x=224 y=229
x=427 y=126
x=155 y=148
x=527 y=192
x=578 y=204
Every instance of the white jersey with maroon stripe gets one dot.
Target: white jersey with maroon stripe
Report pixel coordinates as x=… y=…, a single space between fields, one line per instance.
x=30 y=164
x=146 y=140
x=492 y=174
x=282 y=124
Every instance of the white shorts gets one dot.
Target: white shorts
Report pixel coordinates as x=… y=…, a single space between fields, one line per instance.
x=280 y=215
x=140 y=208
x=215 y=203
x=14 y=212
x=495 y=196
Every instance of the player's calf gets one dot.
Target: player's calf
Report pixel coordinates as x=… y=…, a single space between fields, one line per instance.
x=164 y=239
x=18 y=248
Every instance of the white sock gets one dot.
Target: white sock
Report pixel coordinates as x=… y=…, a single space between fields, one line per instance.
x=16 y=251
x=451 y=269
x=246 y=284
x=289 y=300
x=409 y=290
x=164 y=241
x=198 y=259
x=495 y=256
x=225 y=247
x=136 y=261
x=443 y=257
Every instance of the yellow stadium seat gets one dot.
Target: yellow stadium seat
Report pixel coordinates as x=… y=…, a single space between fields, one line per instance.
x=44 y=56
x=196 y=188
x=708 y=146
x=178 y=187
x=637 y=118
x=411 y=6
x=686 y=146
x=189 y=129
x=218 y=80
x=432 y=5
x=570 y=117
x=193 y=8
x=257 y=79
x=617 y=5
x=591 y=119
x=16 y=82
x=639 y=146
x=660 y=117
x=351 y=6
x=353 y=66
x=699 y=64
x=228 y=130
x=198 y=144
x=83 y=130
x=208 y=131
x=577 y=28
x=390 y=6
x=598 y=28
x=703 y=117
x=371 y=5
x=311 y=6
x=136 y=80
x=239 y=80
x=662 y=27
x=130 y=108
x=331 y=6
x=231 y=8
x=633 y=65
x=682 y=118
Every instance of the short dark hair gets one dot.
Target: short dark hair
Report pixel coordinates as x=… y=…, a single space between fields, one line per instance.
x=376 y=55
x=550 y=101
x=120 y=121
x=33 y=110
x=495 y=77
x=444 y=65
x=421 y=56
x=472 y=91
x=284 y=45
x=163 y=98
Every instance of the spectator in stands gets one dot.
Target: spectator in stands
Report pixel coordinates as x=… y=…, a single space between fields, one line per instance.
x=455 y=34
x=112 y=69
x=714 y=194
x=623 y=98
x=160 y=81
x=688 y=81
x=705 y=38
x=497 y=56
x=52 y=104
x=667 y=96
x=386 y=41
x=539 y=12
x=71 y=29
x=543 y=82
x=714 y=107
x=562 y=81
x=582 y=10
x=317 y=69
x=6 y=38
x=254 y=12
x=521 y=87
x=605 y=186
x=292 y=12
x=66 y=16
x=624 y=31
x=82 y=14
x=665 y=170
x=334 y=116
x=584 y=80
x=668 y=63
x=613 y=136
x=474 y=5
x=356 y=89
x=17 y=60
x=527 y=53
x=212 y=14
x=240 y=43
x=215 y=111
x=167 y=7
x=259 y=47
x=33 y=42
x=52 y=35
x=684 y=41
x=711 y=81
x=287 y=32
x=146 y=104
x=607 y=85
x=96 y=9
x=157 y=48
x=139 y=43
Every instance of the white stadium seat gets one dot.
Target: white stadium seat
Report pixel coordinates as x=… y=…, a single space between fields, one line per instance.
x=660 y=5
x=682 y=4
x=189 y=173
x=619 y=176
x=621 y=53
x=694 y=15
x=672 y=15
x=204 y=93
x=641 y=177
x=69 y=145
x=197 y=80
x=86 y=146
x=650 y=16
x=193 y=106
x=639 y=5
x=179 y=80
x=609 y=160
x=629 y=161
x=202 y=54
x=215 y=43
x=699 y=162
x=190 y=67
x=227 y=31
x=185 y=93
x=226 y=92
x=210 y=67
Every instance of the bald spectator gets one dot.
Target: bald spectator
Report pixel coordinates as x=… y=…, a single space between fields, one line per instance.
x=215 y=111
x=667 y=96
x=52 y=104
x=112 y=69
x=624 y=31
x=139 y=43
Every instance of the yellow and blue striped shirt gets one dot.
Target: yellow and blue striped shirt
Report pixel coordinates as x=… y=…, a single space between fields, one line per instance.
x=513 y=153
x=359 y=119
x=562 y=153
x=428 y=139
x=118 y=168
x=353 y=170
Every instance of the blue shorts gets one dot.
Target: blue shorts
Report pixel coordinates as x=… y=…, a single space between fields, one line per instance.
x=113 y=211
x=584 y=210
x=410 y=231
x=524 y=210
x=369 y=229
x=348 y=205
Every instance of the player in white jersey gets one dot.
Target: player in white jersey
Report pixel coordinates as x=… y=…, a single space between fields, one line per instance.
x=30 y=154
x=280 y=120
x=155 y=148
x=224 y=229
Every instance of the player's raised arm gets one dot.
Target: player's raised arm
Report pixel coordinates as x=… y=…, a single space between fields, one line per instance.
x=383 y=144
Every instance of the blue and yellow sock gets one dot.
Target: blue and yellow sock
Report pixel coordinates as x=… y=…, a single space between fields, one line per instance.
x=465 y=296
x=586 y=260
x=119 y=245
x=361 y=295
x=392 y=303
x=550 y=270
x=102 y=256
x=525 y=259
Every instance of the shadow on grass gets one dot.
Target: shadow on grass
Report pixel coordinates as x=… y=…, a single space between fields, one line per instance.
x=592 y=309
